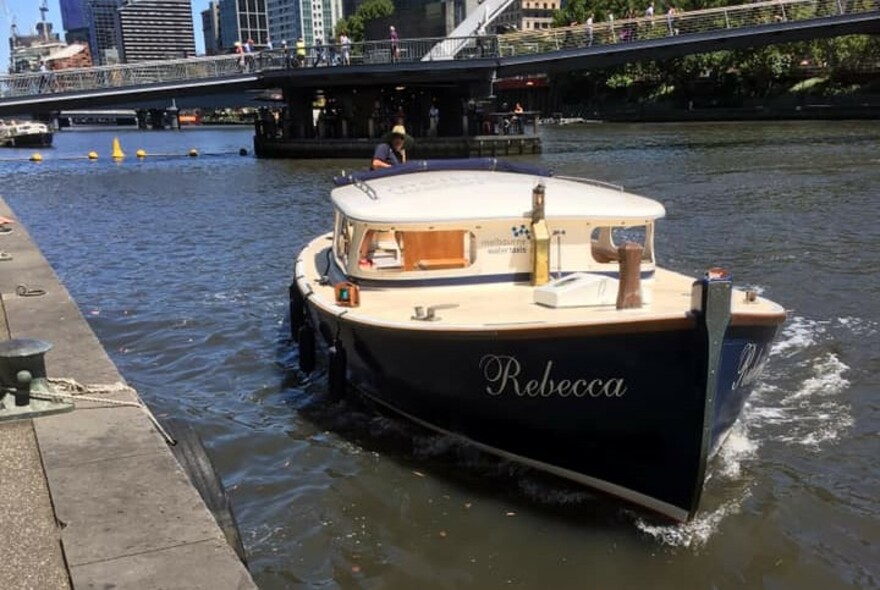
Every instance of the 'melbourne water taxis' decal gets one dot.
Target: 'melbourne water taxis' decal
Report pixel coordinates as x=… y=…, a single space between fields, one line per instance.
x=751 y=362
x=502 y=375
x=517 y=245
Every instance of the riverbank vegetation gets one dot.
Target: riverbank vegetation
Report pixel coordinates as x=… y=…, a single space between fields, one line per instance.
x=835 y=67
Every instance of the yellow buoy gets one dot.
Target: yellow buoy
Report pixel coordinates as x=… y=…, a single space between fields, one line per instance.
x=36 y=157
x=93 y=155
x=193 y=153
x=141 y=154
x=117 y=154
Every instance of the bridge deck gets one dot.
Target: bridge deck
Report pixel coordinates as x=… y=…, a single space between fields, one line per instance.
x=368 y=63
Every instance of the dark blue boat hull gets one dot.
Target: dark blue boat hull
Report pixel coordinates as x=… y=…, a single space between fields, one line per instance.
x=620 y=410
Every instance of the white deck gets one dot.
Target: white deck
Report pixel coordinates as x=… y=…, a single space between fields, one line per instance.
x=510 y=306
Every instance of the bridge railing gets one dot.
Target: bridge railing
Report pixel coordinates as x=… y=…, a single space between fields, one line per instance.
x=203 y=68
x=122 y=76
x=615 y=30
x=382 y=52
x=612 y=31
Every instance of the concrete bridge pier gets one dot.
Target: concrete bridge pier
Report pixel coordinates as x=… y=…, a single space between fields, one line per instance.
x=348 y=121
x=298 y=121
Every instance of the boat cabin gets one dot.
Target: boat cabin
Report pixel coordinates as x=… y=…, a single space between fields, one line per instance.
x=469 y=226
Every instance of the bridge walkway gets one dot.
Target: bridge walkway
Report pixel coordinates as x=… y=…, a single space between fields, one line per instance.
x=509 y=54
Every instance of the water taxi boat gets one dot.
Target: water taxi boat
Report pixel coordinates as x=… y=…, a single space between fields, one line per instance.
x=525 y=313
x=24 y=134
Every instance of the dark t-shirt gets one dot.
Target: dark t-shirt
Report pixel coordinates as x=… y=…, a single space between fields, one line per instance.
x=386 y=153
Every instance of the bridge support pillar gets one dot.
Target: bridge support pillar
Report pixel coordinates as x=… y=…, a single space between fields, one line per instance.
x=300 y=122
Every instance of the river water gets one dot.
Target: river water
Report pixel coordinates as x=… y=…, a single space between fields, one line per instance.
x=181 y=265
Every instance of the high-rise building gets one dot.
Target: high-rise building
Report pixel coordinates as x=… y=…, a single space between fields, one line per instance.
x=311 y=19
x=285 y=22
x=241 y=20
x=73 y=19
x=529 y=15
x=156 y=29
x=422 y=18
x=104 y=36
x=211 y=28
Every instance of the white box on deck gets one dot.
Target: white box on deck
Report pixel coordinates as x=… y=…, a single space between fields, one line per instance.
x=578 y=290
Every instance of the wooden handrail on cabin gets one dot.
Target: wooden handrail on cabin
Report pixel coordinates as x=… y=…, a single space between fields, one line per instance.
x=442 y=263
x=603 y=253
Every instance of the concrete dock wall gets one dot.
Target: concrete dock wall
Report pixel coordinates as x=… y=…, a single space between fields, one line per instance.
x=99 y=500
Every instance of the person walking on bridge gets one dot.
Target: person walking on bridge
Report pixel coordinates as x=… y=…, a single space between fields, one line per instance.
x=670 y=20
x=345 y=47
x=300 y=52
x=481 y=32
x=395 y=49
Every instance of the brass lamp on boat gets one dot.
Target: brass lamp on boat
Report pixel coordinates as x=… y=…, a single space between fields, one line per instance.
x=540 y=239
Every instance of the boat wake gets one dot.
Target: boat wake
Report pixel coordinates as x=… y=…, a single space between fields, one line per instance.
x=725 y=483
x=798 y=401
x=801 y=401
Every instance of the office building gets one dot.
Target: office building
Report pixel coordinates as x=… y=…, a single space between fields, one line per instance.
x=103 y=24
x=528 y=15
x=156 y=30
x=285 y=20
x=421 y=18
x=241 y=20
x=311 y=19
x=73 y=19
x=211 y=28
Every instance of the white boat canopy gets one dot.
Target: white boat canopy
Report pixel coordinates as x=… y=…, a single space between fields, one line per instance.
x=472 y=195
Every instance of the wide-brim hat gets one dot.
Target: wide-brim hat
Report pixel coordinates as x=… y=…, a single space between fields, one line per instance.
x=398 y=130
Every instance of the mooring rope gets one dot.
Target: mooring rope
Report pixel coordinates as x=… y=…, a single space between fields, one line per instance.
x=73 y=390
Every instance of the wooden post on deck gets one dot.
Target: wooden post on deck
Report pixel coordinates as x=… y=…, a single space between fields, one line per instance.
x=629 y=292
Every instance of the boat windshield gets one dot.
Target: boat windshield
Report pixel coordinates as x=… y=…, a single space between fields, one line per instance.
x=606 y=240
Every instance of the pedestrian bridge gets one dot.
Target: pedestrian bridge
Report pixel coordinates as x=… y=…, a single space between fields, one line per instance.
x=471 y=57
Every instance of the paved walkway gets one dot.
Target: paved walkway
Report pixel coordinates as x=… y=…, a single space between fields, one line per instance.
x=92 y=498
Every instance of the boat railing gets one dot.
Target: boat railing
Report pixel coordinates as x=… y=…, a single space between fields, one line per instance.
x=366 y=189
x=594 y=182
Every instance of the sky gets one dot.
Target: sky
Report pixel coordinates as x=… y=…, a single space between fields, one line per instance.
x=27 y=14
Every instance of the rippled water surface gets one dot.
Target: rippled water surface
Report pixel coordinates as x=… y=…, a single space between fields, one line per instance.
x=181 y=265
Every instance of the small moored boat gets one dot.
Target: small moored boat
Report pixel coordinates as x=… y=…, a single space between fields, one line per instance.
x=24 y=134
x=526 y=314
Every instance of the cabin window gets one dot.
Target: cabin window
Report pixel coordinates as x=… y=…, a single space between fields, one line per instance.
x=416 y=250
x=342 y=238
x=605 y=241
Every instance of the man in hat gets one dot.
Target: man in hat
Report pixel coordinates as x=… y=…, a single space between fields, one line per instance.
x=392 y=152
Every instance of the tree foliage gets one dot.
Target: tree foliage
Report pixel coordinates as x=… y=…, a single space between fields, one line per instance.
x=354 y=25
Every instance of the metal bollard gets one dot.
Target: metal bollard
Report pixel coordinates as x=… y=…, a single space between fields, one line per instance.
x=22 y=375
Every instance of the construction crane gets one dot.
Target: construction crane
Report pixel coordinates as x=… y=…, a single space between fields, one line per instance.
x=44 y=8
